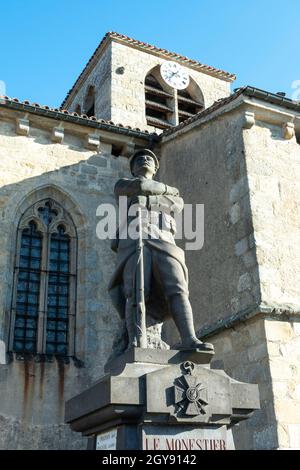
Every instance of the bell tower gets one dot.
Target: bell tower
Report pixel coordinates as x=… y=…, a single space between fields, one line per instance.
x=133 y=83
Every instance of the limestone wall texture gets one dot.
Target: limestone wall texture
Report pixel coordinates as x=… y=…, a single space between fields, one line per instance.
x=283 y=342
x=207 y=164
x=33 y=168
x=121 y=97
x=273 y=168
x=242 y=352
x=265 y=350
x=244 y=281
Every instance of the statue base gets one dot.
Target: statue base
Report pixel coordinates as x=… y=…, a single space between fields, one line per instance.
x=162 y=399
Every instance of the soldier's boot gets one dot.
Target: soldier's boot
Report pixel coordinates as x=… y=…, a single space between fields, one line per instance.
x=130 y=325
x=182 y=313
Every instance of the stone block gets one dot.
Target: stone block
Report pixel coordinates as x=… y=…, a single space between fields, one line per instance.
x=288 y=130
x=280 y=369
x=235 y=213
x=283 y=436
x=22 y=126
x=241 y=246
x=244 y=282
x=280 y=388
x=238 y=190
x=82 y=180
x=98 y=160
x=274 y=349
x=278 y=330
x=249 y=120
x=128 y=149
x=88 y=169
x=249 y=259
x=57 y=135
x=291 y=349
x=287 y=411
x=294 y=435
x=92 y=142
x=296 y=328
x=258 y=352
x=266 y=438
x=251 y=240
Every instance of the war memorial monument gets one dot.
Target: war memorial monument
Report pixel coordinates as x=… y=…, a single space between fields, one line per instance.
x=153 y=397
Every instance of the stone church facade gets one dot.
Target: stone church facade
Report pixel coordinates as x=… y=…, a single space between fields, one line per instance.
x=236 y=153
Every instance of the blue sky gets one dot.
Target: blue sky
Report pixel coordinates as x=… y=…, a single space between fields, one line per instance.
x=45 y=44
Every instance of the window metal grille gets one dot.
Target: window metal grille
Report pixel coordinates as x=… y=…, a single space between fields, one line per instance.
x=28 y=289
x=58 y=293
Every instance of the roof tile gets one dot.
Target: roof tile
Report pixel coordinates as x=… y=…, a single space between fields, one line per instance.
x=68 y=113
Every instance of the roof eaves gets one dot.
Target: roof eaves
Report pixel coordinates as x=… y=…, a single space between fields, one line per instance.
x=64 y=115
x=249 y=91
x=273 y=98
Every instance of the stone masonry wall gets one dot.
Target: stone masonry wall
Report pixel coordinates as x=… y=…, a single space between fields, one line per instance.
x=242 y=352
x=246 y=173
x=32 y=168
x=283 y=341
x=207 y=164
x=265 y=350
x=273 y=167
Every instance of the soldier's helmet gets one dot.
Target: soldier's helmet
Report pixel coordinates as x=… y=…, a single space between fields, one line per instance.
x=139 y=152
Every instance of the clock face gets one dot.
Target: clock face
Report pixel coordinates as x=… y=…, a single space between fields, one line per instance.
x=174 y=75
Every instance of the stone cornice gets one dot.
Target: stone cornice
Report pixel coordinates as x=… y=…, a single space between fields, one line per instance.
x=282 y=312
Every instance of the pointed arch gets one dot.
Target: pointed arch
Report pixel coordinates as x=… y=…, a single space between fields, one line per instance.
x=43 y=305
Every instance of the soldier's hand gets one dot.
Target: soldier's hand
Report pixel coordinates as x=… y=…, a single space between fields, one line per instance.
x=172 y=191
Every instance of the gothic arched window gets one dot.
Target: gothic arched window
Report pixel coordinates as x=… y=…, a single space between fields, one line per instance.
x=43 y=304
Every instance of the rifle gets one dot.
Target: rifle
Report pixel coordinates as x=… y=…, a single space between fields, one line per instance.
x=140 y=288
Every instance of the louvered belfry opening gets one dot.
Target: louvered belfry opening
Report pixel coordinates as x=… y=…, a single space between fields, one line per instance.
x=187 y=106
x=158 y=109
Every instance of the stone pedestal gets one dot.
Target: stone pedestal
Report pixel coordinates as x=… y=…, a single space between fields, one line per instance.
x=162 y=399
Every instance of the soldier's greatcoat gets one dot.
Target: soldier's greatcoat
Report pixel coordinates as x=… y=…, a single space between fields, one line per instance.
x=162 y=247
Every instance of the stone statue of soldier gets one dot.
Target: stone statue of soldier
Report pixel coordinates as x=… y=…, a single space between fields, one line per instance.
x=164 y=269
